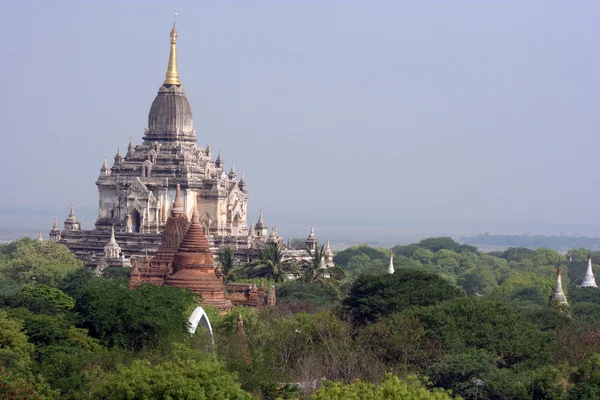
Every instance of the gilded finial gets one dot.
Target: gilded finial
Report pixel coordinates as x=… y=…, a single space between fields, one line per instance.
x=172 y=73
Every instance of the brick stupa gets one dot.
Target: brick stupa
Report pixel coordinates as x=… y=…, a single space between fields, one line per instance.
x=194 y=269
x=157 y=270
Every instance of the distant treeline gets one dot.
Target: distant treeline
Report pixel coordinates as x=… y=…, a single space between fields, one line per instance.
x=533 y=241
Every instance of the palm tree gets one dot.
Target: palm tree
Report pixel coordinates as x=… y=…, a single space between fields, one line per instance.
x=270 y=263
x=315 y=269
x=227 y=260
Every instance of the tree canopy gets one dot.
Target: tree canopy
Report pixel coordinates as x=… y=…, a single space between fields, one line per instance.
x=374 y=296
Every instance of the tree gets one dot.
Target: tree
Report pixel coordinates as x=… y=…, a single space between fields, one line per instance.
x=481 y=323
x=44 y=262
x=17 y=387
x=270 y=264
x=188 y=375
x=587 y=380
x=439 y=243
x=477 y=280
x=40 y=298
x=14 y=346
x=314 y=269
x=390 y=388
x=135 y=319
x=299 y=291
x=123 y=273
x=400 y=341
x=424 y=255
x=464 y=373
x=342 y=258
x=374 y=296
x=227 y=260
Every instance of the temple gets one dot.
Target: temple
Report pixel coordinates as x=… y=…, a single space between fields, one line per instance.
x=148 y=196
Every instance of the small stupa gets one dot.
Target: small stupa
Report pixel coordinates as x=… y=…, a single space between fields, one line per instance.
x=589 y=280
x=559 y=296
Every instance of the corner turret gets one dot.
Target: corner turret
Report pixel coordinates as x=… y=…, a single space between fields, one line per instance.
x=55 y=232
x=242 y=184
x=311 y=240
x=72 y=223
x=261 y=228
x=118 y=158
x=104 y=171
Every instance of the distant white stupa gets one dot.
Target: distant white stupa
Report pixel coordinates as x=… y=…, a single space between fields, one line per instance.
x=391 y=267
x=589 y=280
x=558 y=295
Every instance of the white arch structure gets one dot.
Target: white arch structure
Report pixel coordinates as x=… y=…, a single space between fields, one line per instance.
x=199 y=317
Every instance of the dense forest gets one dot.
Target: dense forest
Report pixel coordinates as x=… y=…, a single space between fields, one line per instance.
x=451 y=322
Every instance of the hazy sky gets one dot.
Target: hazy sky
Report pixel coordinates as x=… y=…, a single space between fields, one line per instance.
x=355 y=110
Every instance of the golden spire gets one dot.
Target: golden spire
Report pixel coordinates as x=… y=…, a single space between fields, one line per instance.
x=172 y=73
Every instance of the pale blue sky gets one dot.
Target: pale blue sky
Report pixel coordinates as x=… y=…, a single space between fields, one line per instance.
x=361 y=111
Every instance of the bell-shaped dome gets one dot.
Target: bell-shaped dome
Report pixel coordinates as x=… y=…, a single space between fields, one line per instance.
x=170 y=116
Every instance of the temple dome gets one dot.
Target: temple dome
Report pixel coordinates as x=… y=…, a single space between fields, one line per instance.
x=170 y=116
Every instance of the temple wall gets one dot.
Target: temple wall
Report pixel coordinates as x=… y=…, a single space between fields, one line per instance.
x=109 y=201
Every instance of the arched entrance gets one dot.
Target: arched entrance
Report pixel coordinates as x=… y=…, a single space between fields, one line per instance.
x=134 y=221
x=199 y=317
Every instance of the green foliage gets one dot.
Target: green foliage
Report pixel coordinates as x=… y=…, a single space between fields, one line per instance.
x=343 y=257
x=134 y=319
x=44 y=262
x=188 y=375
x=227 y=260
x=587 y=379
x=40 y=298
x=314 y=271
x=374 y=296
x=514 y=253
x=363 y=264
x=587 y=314
x=117 y=273
x=15 y=349
x=480 y=323
x=299 y=291
x=43 y=329
x=400 y=341
x=269 y=264
x=79 y=336
x=439 y=243
x=17 y=387
x=390 y=388
x=462 y=372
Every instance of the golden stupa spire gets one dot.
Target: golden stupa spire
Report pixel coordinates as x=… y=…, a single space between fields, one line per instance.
x=172 y=73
